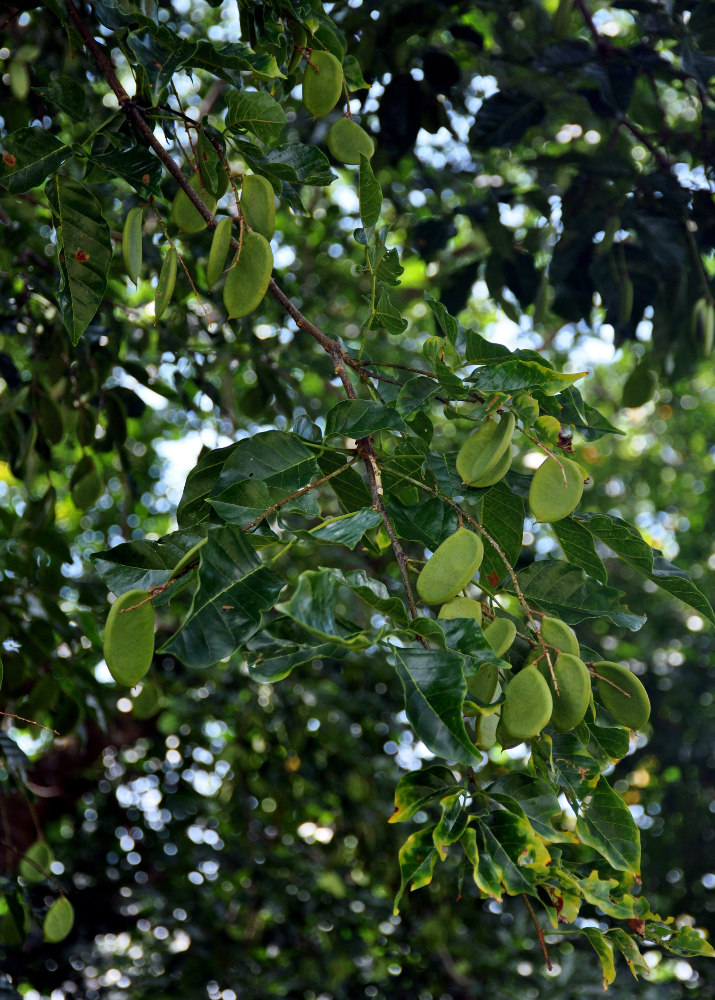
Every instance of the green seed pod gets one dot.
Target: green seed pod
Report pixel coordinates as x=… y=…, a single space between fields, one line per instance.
x=132 y=243
x=219 y=248
x=483 y=449
x=527 y=704
x=184 y=213
x=462 y=607
x=639 y=386
x=258 y=204
x=166 y=284
x=322 y=83
x=451 y=567
x=58 y=921
x=300 y=39
x=497 y=472
x=485 y=731
x=347 y=140
x=129 y=637
x=527 y=408
x=629 y=706
x=192 y=556
x=574 y=683
x=556 y=633
x=548 y=428
x=147 y=702
x=504 y=738
x=550 y=498
x=482 y=686
x=35 y=864
x=500 y=634
x=214 y=178
x=247 y=281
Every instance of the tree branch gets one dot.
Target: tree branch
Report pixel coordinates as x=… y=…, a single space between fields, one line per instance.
x=340 y=357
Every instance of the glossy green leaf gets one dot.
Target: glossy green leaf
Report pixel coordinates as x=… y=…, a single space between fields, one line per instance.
x=161 y=52
x=416 y=789
x=686 y=941
x=137 y=165
x=604 y=950
x=233 y=57
x=452 y=823
x=434 y=687
x=387 y=316
x=233 y=589
x=578 y=547
x=606 y=743
x=348 y=486
x=35 y=863
x=538 y=801
x=417 y=857
x=503 y=518
x=572 y=767
x=58 y=921
x=449 y=326
x=630 y=951
x=486 y=874
x=416 y=394
x=503 y=118
x=515 y=376
x=85 y=251
x=567 y=593
x=143 y=564
x=293 y=161
x=261 y=471
x=585 y=419
x=607 y=895
x=29 y=157
x=516 y=851
x=347 y=530
x=627 y=542
x=193 y=507
x=274 y=663
x=369 y=193
x=430 y=522
x=312 y=604
x=256 y=112
x=374 y=593
x=68 y=95
x=358 y=418
x=605 y=823
x=481 y=351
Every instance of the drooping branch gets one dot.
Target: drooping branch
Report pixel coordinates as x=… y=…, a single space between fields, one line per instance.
x=342 y=361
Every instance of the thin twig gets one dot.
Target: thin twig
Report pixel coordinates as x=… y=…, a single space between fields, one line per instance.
x=539 y=931
x=21 y=718
x=341 y=359
x=298 y=493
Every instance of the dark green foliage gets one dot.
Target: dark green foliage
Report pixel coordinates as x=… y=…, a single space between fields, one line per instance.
x=225 y=826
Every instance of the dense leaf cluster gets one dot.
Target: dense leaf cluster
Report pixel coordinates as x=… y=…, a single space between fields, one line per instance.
x=577 y=191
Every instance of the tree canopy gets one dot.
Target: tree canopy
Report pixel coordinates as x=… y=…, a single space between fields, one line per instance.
x=355 y=460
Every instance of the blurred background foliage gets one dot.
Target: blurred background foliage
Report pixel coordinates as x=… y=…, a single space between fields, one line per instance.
x=226 y=839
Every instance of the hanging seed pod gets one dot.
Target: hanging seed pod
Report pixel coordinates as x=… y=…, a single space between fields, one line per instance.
x=450 y=567
x=219 y=249
x=258 y=204
x=132 y=243
x=247 y=282
x=166 y=284
x=322 y=83
x=129 y=637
